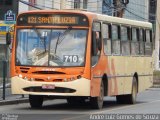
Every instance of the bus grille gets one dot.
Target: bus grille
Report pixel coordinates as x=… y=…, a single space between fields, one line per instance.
x=24 y=69
x=47 y=72
x=56 y=90
x=52 y=80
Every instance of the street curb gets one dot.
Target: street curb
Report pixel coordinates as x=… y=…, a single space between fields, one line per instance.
x=156 y=86
x=17 y=101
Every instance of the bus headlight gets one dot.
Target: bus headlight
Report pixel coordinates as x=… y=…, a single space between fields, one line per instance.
x=72 y=78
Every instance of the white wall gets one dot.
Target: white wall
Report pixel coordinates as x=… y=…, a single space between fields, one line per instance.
x=95 y=6
x=23 y=7
x=157 y=39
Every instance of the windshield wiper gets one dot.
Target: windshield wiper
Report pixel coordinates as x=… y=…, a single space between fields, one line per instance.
x=61 y=37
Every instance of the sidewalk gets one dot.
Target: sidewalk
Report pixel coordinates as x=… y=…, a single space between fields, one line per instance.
x=11 y=99
x=156 y=86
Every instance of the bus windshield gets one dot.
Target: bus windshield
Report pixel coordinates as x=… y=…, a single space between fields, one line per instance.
x=51 y=47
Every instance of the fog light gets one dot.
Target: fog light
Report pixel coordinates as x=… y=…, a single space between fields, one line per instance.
x=72 y=78
x=20 y=76
x=25 y=78
x=65 y=79
x=32 y=79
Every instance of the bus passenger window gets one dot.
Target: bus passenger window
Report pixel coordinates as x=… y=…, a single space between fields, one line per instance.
x=148 y=39
x=116 y=49
x=106 y=38
x=97 y=36
x=134 y=43
x=148 y=43
x=114 y=32
x=98 y=43
x=134 y=35
x=124 y=36
x=141 y=41
x=129 y=33
x=125 y=43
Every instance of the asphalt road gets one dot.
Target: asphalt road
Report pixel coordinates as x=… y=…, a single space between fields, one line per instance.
x=148 y=102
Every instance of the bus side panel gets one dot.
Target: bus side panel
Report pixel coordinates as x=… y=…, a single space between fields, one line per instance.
x=145 y=71
x=130 y=68
x=116 y=66
x=140 y=66
x=122 y=70
x=97 y=72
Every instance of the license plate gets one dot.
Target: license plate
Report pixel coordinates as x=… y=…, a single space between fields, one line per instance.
x=46 y=86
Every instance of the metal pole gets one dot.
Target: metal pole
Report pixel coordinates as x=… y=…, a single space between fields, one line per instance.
x=4 y=79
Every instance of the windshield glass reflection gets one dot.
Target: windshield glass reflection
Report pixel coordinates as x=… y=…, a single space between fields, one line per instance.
x=46 y=47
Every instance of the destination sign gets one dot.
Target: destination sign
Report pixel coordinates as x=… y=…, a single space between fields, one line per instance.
x=53 y=20
x=50 y=19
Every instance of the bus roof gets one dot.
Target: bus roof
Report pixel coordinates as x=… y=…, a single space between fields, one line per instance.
x=96 y=16
x=123 y=21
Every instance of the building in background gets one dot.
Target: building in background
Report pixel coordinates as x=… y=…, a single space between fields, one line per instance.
x=23 y=7
x=88 y=5
x=6 y=5
x=8 y=13
x=157 y=37
x=137 y=10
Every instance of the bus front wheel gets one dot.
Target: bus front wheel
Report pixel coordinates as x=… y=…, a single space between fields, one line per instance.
x=35 y=101
x=97 y=102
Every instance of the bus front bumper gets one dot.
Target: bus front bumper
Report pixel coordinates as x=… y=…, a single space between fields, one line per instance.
x=79 y=87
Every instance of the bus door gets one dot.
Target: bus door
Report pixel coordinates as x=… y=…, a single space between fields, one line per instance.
x=95 y=59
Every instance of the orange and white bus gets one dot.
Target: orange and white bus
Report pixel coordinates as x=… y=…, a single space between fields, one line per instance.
x=80 y=55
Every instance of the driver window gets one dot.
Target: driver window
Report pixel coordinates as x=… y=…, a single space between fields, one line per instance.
x=96 y=42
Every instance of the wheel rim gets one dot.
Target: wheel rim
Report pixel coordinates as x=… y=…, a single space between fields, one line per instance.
x=101 y=96
x=134 y=91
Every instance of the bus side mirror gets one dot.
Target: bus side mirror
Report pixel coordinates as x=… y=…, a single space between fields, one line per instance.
x=8 y=38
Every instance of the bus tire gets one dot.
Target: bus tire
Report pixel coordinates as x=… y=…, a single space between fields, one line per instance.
x=97 y=102
x=131 y=98
x=35 y=101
